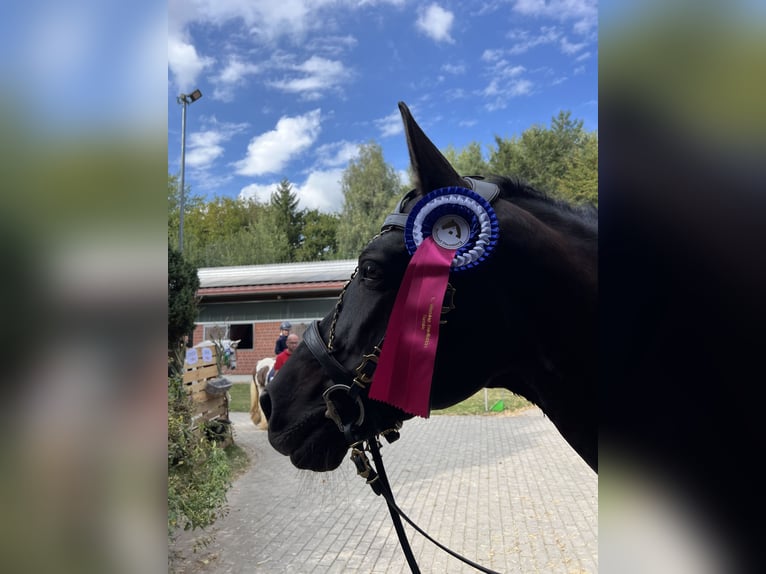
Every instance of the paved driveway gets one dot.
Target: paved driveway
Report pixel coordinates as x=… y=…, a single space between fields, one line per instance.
x=505 y=491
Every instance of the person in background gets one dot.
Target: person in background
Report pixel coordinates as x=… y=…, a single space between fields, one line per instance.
x=284 y=331
x=292 y=343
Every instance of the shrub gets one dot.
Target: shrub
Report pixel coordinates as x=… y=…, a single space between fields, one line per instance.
x=182 y=303
x=199 y=472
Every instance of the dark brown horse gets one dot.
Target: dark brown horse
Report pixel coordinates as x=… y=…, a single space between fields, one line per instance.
x=528 y=312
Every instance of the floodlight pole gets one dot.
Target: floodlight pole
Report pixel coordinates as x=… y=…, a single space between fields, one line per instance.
x=184 y=100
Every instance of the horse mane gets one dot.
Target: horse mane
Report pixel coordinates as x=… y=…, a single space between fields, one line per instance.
x=517 y=190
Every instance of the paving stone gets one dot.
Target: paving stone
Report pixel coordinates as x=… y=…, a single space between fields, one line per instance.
x=505 y=491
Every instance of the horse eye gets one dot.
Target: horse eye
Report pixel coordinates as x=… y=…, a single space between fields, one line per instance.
x=372 y=271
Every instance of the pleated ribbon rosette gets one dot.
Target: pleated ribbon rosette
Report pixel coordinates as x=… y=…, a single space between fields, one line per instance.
x=451 y=229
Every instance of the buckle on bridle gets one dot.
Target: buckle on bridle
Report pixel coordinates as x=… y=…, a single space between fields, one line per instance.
x=332 y=412
x=366 y=368
x=363 y=467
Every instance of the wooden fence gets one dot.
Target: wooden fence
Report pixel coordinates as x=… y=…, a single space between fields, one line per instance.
x=209 y=411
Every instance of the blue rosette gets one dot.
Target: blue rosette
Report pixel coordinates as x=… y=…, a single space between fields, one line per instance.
x=456 y=218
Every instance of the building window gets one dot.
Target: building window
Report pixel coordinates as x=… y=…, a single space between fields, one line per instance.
x=243 y=332
x=234 y=331
x=215 y=332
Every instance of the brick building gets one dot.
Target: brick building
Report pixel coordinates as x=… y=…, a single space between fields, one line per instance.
x=249 y=302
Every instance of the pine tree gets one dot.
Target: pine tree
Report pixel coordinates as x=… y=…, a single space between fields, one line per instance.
x=289 y=219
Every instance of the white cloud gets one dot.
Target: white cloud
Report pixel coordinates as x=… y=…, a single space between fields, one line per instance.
x=337 y=154
x=584 y=12
x=185 y=64
x=331 y=45
x=520 y=87
x=511 y=71
x=271 y=151
x=435 y=22
x=390 y=125
x=524 y=41
x=236 y=70
x=492 y=89
x=453 y=94
x=204 y=148
x=491 y=55
x=321 y=190
x=500 y=90
x=404 y=177
x=507 y=81
x=233 y=74
x=315 y=76
x=455 y=69
x=268 y=21
x=568 y=47
x=259 y=192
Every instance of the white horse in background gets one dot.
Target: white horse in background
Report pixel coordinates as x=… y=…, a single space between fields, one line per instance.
x=260 y=373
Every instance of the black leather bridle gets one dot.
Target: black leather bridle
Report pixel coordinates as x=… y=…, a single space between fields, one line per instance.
x=348 y=393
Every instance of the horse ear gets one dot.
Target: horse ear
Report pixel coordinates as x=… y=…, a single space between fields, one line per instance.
x=430 y=168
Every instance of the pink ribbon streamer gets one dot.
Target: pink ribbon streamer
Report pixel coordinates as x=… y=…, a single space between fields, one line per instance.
x=406 y=365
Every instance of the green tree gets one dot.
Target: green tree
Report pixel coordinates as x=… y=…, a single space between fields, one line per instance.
x=182 y=301
x=505 y=158
x=319 y=241
x=213 y=224
x=289 y=219
x=371 y=189
x=579 y=182
x=258 y=241
x=544 y=157
x=192 y=203
x=468 y=161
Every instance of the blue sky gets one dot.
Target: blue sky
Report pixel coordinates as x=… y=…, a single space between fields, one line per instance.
x=292 y=87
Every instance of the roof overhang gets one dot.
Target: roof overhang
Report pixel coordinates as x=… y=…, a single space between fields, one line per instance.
x=279 y=291
x=274 y=281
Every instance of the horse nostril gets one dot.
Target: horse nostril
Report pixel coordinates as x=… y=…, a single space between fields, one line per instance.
x=266 y=404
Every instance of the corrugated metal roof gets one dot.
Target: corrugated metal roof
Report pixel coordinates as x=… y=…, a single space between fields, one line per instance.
x=280 y=274
x=271 y=289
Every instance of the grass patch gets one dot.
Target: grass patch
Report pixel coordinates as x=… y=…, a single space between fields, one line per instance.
x=240 y=398
x=474 y=405
x=238 y=459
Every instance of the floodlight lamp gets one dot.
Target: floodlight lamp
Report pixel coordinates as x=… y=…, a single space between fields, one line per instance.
x=189 y=98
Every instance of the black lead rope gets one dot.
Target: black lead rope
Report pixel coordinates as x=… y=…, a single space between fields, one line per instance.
x=384 y=489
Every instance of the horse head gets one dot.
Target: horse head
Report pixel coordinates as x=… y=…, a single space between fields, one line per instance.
x=522 y=317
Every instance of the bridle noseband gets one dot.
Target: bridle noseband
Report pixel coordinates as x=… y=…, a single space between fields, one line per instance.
x=350 y=388
x=352 y=384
